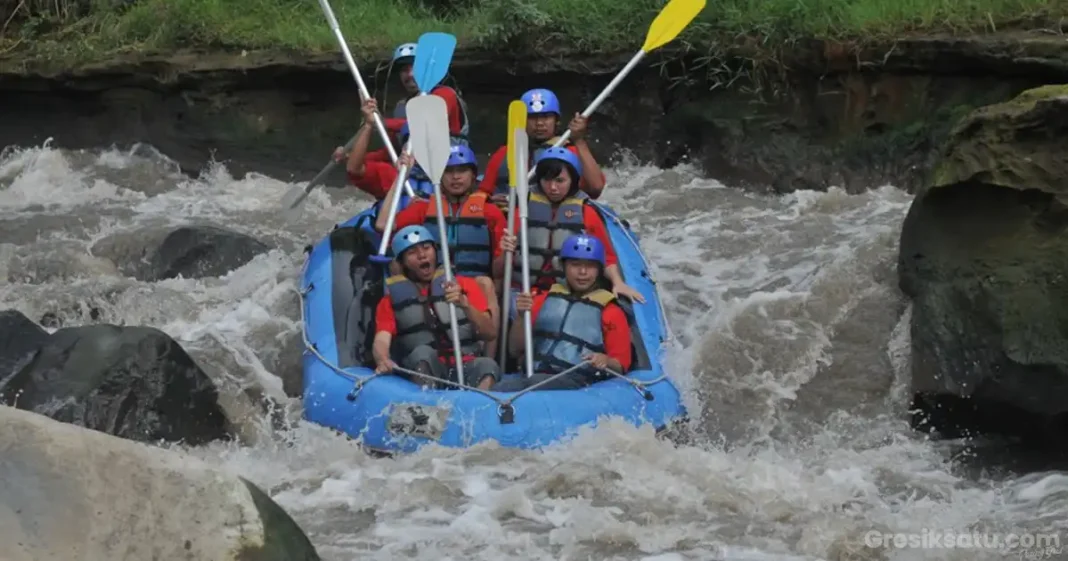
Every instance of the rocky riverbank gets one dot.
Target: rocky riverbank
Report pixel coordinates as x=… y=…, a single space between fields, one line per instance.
x=823 y=113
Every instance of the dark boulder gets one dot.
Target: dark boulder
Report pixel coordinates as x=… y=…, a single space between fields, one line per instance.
x=20 y=337
x=984 y=258
x=132 y=382
x=194 y=251
x=202 y=251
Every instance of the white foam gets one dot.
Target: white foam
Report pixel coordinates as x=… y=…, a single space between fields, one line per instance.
x=757 y=289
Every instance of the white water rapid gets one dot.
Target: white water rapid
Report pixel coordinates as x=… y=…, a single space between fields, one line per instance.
x=792 y=350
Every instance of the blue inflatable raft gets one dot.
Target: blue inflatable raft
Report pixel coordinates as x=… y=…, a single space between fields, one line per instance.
x=340 y=288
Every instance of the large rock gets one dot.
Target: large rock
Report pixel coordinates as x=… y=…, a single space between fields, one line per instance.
x=188 y=251
x=984 y=257
x=71 y=494
x=133 y=382
x=20 y=337
x=202 y=251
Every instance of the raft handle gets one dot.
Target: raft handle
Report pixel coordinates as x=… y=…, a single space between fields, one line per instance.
x=506 y=413
x=355 y=391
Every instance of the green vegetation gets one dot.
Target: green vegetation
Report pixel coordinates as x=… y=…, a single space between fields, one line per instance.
x=65 y=33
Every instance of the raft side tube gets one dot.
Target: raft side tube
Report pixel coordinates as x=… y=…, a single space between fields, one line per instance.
x=391 y=414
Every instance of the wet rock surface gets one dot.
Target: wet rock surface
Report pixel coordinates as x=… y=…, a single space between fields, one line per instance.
x=188 y=251
x=72 y=493
x=20 y=338
x=984 y=258
x=132 y=382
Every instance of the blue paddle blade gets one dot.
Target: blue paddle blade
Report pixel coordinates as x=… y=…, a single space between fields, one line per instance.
x=433 y=55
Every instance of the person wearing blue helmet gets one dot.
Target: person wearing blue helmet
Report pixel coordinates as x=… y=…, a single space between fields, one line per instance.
x=473 y=226
x=373 y=172
x=412 y=319
x=543 y=115
x=459 y=125
x=575 y=322
x=555 y=212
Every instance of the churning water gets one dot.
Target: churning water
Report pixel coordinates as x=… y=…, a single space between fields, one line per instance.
x=791 y=345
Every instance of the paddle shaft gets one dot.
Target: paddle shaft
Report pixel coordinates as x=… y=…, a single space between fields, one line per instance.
x=528 y=333
x=506 y=301
x=364 y=94
x=444 y=245
x=597 y=101
x=402 y=176
x=321 y=176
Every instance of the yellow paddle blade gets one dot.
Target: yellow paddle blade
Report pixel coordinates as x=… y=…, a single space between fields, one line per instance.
x=517 y=119
x=671 y=21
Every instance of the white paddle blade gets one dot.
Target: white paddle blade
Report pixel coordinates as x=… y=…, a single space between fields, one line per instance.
x=428 y=122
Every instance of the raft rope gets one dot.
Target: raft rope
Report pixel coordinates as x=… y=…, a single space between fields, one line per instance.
x=504 y=406
x=361 y=380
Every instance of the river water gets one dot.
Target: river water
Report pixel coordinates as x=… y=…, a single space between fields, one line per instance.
x=791 y=345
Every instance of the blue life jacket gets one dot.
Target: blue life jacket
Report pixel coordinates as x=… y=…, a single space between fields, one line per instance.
x=420 y=182
x=546 y=231
x=424 y=320
x=468 y=234
x=568 y=327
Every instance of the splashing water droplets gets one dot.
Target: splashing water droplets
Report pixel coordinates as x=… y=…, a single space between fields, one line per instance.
x=791 y=346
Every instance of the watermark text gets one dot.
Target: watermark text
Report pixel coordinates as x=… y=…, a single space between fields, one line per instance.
x=1026 y=544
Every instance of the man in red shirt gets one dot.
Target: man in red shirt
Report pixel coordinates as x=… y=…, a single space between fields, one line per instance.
x=473 y=226
x=459 y=126
x=543 y=115
x=412 y=318
x=573 y=323
x=371 y=172
x=553 y=214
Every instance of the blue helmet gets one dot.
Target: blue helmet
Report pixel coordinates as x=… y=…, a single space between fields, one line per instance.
x=540 y=101
x=583 y=246
x=559 y=153
x=408 y=236
x=461 y=155
x=406 y=50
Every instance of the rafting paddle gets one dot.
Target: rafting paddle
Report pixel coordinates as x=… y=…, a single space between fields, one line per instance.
x=433 y=54
x=517 y=120
x=671 y=20
x=521 y=155
x=428 y=123
x=297 y=195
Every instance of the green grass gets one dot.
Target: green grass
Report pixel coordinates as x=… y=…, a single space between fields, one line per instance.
x=66 y=33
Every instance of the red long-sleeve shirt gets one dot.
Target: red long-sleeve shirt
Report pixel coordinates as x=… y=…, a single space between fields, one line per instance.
x=452 y=106
x=498 y=159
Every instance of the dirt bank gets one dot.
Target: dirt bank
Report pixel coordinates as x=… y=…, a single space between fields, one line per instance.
x=821 y=114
